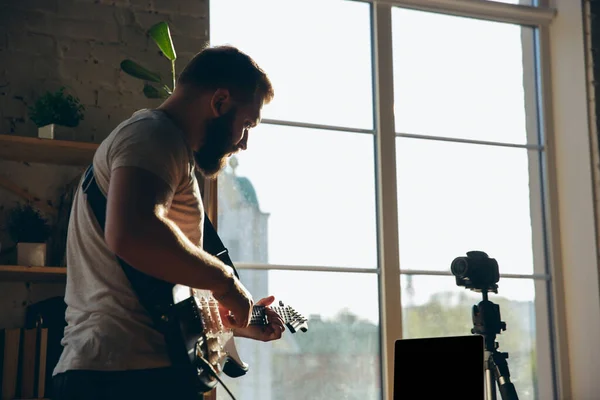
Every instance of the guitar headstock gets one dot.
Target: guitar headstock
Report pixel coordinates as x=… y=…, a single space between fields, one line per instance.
x=292 y=319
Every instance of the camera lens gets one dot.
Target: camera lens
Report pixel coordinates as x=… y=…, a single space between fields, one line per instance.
x=459 y=267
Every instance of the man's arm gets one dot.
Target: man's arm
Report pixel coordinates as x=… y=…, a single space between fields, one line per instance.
x=138 y=231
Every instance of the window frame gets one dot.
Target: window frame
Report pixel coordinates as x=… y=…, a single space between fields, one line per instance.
x=391 y=305
x=567 y=369
x=571 y=208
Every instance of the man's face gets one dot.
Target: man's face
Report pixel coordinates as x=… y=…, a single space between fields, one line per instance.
x=225 y=135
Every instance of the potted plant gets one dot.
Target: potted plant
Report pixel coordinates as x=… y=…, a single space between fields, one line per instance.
x=29 y=230
x=55 y=109
x=154 y=85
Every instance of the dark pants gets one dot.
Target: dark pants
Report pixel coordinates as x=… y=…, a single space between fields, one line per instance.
x=148 y=384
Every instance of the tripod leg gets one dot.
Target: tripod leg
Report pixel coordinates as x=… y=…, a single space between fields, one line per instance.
x=490 y=382
x=499 y=366
x=490 y=385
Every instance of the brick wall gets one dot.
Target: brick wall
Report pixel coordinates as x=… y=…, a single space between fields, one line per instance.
x=46 y=44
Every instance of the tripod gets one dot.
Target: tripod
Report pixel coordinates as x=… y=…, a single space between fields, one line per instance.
x=486 y=322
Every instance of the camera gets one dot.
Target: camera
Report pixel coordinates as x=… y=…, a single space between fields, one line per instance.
x=477 y=271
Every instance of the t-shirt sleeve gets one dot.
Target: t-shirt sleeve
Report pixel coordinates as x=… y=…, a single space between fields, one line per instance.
x=153 y=146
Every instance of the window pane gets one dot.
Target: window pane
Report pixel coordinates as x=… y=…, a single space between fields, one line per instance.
x=434 y=306
x=457 y=197
x=316 y=52
x=301 y=196
x=472 y=79
x=337 y=358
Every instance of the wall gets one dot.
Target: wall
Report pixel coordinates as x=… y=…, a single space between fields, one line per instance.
x=46 y=44
x=592 y=37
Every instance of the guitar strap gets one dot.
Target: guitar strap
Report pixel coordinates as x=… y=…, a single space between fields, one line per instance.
x=147 y=288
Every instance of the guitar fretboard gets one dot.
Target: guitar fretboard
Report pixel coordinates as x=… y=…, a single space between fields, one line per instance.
x=258 y=315
x=209 y=308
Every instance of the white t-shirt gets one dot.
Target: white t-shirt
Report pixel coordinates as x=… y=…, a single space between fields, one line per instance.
x=107 y=328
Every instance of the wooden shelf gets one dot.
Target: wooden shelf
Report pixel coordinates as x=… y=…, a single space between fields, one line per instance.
x=12 y=273
x=46 y=151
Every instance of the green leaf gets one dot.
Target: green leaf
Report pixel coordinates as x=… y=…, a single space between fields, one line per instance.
x=153 y=92
x=161 y=34
x=57 y=108
x=137 y=71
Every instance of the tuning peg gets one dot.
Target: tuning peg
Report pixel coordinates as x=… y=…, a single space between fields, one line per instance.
x=291 y=328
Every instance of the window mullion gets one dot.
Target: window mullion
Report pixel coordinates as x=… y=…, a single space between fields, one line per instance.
x=533 y=83
x=387 y=211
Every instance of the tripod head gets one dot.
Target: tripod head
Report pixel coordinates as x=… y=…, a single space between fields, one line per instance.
x=487 y=322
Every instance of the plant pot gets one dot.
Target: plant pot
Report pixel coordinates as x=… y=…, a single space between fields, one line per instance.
x=31 y=254
x=46 y=132
x=58 y=132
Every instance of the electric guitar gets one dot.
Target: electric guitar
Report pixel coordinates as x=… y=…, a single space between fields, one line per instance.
x=210 y=346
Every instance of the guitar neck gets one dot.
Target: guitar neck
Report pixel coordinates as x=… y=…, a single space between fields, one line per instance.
x=290 y=317
x=259 y=315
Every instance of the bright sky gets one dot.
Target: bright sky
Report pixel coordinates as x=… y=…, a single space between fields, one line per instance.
x=454 y=77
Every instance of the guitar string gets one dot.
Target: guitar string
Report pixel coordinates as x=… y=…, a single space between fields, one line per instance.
x=255 y=318
x=260 y=311
x=286 y=313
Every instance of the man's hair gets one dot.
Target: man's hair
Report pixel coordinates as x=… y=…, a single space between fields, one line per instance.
x=226 y=67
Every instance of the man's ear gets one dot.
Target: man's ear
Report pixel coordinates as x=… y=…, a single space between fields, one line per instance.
x=220 y=102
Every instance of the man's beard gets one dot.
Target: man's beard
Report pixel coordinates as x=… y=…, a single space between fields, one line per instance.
x=218 y=145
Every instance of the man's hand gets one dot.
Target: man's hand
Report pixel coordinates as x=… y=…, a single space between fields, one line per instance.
x=238 y=301
x=265 y=333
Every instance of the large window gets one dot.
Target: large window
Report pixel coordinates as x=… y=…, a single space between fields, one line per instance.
x=299 y=210
x=468 y=154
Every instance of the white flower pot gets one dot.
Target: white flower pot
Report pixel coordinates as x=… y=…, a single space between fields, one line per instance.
x=46 y=132
x=31 y=254
x=58 y=132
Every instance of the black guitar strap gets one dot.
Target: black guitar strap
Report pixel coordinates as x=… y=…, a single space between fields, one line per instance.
x=147 y=288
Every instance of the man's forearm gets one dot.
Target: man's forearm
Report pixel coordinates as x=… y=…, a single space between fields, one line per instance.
x=158 y=248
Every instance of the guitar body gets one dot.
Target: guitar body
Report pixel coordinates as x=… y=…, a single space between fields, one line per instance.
x=204 y=338
x=197 y=341
x=200 y=344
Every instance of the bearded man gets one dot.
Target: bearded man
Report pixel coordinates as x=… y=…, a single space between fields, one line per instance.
x=154 y=222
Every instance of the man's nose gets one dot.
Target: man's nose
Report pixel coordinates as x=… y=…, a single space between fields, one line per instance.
x=244 y=142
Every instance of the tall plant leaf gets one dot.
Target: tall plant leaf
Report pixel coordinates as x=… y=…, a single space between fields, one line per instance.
x=161 y=35
x=152 y=92
x=137 y=71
